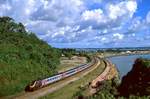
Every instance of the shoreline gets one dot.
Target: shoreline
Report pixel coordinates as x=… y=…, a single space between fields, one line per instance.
x=116 y=67
x=125 y=55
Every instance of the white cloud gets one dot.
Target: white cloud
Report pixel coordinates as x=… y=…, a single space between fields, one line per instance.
x=136 y=23
x=95 y=22
x=111 y=16
x=4 y=8
x=148 y=17
x=124 y=8
x=96 y=15
x=118 y=36
x=105 y=31
x=131 y=6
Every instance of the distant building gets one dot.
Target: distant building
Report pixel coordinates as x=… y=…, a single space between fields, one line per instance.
x=128 y=52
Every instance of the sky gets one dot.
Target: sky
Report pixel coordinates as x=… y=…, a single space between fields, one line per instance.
x=84 y=23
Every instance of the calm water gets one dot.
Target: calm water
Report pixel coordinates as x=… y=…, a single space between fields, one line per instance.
x=124 y=63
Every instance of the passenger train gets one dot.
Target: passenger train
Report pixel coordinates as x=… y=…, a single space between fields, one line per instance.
x=44 y=82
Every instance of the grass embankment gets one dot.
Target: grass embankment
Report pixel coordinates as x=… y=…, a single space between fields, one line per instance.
x=23 y=57
x=68 y=91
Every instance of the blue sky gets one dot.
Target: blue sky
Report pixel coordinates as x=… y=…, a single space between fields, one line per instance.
x=143 y=8
x=84 y=23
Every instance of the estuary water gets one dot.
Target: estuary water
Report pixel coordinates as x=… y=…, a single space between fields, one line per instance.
x=124 y=63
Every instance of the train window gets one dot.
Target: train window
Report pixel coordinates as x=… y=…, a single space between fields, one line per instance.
x=69 y=72
x=50 y=79
x=55 y=77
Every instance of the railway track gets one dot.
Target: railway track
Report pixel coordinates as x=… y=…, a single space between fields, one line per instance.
x=37 y=84
x=59 y=84
x=102 y=77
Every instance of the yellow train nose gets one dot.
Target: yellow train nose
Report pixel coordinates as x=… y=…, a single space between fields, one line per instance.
x=30 y=87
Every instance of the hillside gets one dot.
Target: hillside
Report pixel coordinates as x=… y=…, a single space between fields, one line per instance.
x=137 y=81
x=23 y=57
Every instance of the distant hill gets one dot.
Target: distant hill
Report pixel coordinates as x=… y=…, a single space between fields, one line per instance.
x=23 y=57
x=137 y=81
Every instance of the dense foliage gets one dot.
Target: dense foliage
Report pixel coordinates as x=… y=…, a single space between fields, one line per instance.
x=137 y=81
x=68 y=52
x=23 y=57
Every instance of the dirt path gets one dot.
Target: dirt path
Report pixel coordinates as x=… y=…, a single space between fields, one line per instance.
x=109 y=73
x=53 y=87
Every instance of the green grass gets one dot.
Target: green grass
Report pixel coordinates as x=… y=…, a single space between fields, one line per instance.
x=68 y=91
x=23 y=57
x=146 y=63
x=13 y=80
x=18 y=67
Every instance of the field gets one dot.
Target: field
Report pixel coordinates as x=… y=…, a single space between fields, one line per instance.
x=66 y=63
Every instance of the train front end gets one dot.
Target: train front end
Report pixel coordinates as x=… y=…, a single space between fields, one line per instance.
x=33 y=86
